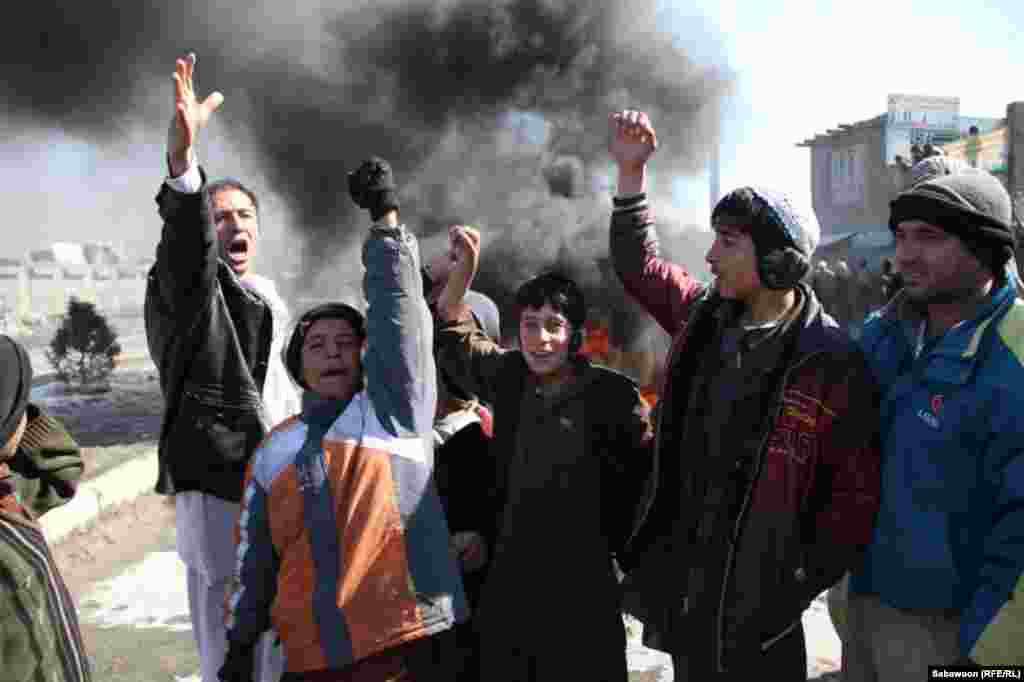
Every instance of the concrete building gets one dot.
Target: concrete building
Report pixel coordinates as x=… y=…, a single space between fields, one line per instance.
x=37 y=286
x=858 y=168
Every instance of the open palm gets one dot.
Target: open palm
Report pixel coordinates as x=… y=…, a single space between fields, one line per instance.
x=190 y=114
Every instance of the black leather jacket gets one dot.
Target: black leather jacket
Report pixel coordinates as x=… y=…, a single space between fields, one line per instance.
x=210 y=339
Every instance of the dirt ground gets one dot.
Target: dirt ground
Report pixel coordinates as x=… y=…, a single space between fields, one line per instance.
x=119 y=536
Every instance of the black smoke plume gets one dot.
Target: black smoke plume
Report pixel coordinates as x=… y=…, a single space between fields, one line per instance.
x=491 y=112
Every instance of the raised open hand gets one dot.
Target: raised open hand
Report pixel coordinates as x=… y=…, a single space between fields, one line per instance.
x=190 y=115
x=632 y=140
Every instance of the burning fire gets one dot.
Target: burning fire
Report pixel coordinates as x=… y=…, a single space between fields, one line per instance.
x=641 y=366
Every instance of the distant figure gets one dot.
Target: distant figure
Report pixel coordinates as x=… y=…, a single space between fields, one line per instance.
x=843 y=306
x=892 y=281
x=933 y=167
x=824 y=283
x=916 y=153
x=868 y=291
x=972 y=147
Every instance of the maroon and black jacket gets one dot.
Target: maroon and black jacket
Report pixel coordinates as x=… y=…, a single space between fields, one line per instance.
x=809 y=506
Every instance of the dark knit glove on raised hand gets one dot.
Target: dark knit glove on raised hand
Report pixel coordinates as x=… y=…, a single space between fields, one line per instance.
x=372 y=187
x=238 y=663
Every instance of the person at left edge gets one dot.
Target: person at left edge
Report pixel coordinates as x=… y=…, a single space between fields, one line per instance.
x=39 y=467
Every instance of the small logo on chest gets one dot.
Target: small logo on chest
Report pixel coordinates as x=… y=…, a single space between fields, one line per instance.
x=931 y=417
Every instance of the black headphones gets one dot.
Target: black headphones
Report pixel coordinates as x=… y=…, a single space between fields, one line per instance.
x=292 y=355
x=575 y=341
x=782 y=268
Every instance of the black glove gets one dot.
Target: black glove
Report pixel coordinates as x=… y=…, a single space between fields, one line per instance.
x=372 y=186
x=238 y=663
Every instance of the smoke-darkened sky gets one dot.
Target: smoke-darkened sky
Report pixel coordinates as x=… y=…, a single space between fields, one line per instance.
x=490 y=112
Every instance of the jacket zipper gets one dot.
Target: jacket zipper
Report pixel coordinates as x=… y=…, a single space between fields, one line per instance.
x=720 y=618
x=673 y=352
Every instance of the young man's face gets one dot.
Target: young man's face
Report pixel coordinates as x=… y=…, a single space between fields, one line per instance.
x=733 y=262
x=936 y=265
x=237 y=225
x=544 y=336
x=332 y=359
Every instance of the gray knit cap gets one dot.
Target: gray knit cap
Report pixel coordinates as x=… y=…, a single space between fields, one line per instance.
x=787 y=224
x=972 y=206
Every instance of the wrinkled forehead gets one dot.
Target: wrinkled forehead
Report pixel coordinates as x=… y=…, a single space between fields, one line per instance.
x=231 y=198
x=329 y=327
x=916 y=225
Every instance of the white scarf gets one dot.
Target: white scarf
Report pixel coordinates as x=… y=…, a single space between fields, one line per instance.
x=281 y=397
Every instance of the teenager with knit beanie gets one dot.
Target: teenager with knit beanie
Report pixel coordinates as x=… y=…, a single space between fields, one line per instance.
x=947 y=552
x=768 y=461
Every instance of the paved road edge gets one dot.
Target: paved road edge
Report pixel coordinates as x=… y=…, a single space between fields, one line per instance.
x=123 y=483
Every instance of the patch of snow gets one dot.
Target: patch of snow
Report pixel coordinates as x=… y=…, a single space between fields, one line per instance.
x=150 y=594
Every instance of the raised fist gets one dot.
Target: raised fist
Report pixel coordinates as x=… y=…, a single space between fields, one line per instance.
x=372 y=187
x=632 y=140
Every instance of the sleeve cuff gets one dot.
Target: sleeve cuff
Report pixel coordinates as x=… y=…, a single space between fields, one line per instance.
x=627 y=202
x=189 y=182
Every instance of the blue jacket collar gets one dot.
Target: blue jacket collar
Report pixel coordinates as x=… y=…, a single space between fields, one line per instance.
x=956 y=353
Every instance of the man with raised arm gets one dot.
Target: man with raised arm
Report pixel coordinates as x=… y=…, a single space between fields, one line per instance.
x=342 y=542
x=768 y=460
x=214 y=330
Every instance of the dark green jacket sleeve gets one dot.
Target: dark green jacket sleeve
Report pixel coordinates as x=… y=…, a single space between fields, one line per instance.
x=48 y=464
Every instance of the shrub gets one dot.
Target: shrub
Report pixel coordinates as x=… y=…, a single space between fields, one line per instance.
x=85 y=347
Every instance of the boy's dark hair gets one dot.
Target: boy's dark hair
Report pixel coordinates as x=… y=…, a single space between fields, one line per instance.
x=742 y=208
x=212 y=188
x=558 y=291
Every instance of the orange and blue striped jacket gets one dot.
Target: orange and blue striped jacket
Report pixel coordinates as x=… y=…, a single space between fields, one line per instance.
x=342 y=542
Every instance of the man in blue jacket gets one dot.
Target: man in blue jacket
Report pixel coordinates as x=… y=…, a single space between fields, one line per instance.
x=948 y=351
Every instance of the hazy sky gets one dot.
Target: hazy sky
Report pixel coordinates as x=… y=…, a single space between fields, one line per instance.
x=804 y=66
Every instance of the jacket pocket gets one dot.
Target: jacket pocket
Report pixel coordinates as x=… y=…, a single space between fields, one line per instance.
x=787 y=611
x=208 y=424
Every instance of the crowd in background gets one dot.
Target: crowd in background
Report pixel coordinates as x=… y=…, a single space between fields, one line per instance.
x=850 y=294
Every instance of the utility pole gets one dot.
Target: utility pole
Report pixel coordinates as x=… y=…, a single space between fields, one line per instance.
x=715 y=177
